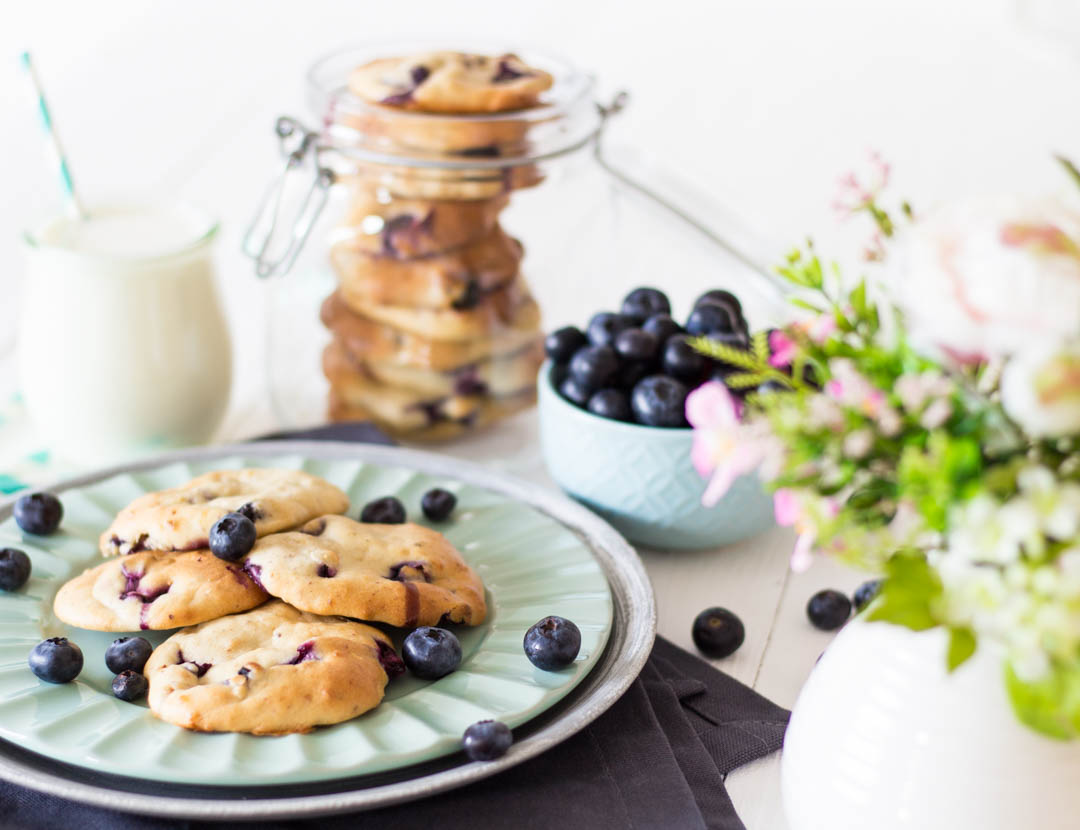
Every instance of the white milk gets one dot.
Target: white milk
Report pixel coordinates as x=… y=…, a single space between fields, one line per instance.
x=123 y=347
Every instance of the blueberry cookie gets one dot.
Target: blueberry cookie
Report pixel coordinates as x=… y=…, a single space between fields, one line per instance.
x=411 y=133
x=400 y=574
x=153 y=591
x=461 y=184
x=451 y=82
x=457 y=280
x=270 y=671
x=181 y=518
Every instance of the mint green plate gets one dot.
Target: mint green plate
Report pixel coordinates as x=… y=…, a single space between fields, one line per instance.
x=531 y=563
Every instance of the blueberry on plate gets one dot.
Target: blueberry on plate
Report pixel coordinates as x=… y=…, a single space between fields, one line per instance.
x=611 y=403
x=720 y=297
x=866 y=593
x=717 y=632
x=642 y=303
x=232 y=537
x=39 y=513
x=636 y=344
x=662 y=326
x=593 y=366
x=561 y=344
x=553 y=643
x=604 y=325
x=128 y=654
x=14 y=569
x=574 y=391
x=56 y=660
x=438 y=504
x=431 y=653
x=385 y=511
x=709 y=318
x=129 y=685
x=487 y=740
x=828 y=609
x=660 y=401
x=682 y=361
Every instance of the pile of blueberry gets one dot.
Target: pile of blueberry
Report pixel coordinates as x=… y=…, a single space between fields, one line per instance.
x=636 y=364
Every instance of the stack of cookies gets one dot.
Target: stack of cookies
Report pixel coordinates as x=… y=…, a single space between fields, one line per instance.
x=434 y=327
x=269 y=650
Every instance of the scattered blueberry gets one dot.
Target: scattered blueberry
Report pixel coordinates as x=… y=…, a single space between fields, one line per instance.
x=611 y=403
x=232 y=537
x=14 y=569
x=129 y=685
x=642 y=303
x=636 y=344
x=662 y=326
x=561 y=344
x=709 y=318
x=593 y=366
x=487 y=740
x=828 y=609
x=720 y=297
x=553 y=643
x=865 y=593
x=56 y=660
x=660 y=401
x=574 y=391
x=431 y=653
x=438 y=504
x=682 y=361
x=385 y=511
x=718 y=633
x=39 y=513
x=128 y=654
x=605 y=325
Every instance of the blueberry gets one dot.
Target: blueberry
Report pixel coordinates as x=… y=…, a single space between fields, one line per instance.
x=487 y=740
x=385 y=511
x=14 y=569
x=662 y=326
x=682 y=361
x=642 y=303
x=828 y=609
x=232 y=537
x=56 y=660
x=574 y=391
x=636 y=344
x=611 y=403
x=129 y=685
x=431 y=653
x=720 y=297
x=738 y=339
x=552 y=643
x=593 y=366
x=865 y=593
x=630 y=373
x=561 y=344
x=709 y=318
x=127 y=654
x=605 y=325
x=660 y=401
x=770 y=387
x=39 y=513
x=438 y=504
x=717 y=632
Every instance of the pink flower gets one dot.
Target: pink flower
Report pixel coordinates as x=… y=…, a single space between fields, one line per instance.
x=723 y=448
x=786 y=507
x=854 y=196
x=782 y=348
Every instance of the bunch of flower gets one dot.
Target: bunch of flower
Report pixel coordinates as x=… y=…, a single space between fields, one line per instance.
x=932 y=435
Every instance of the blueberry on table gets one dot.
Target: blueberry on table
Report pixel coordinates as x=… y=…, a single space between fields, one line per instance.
x=232 y=537
x=574 y=391
x=720 y=297
x=438 y=504
x=431 y=653
x=717 y=632
x=385 y=511
x=561 y=344
x=709 y=318
x=681 y=360
x=56 y=660
x=605 y=325
x=129 y=685
x=128 y=654
x=662 y=326
x=636 y=344
x=553 y=643
x=487 y=740
x=14 y=569
x=593 y=366
x=865 y=593
x=39 y=513
x=660 y=401
x=828 y=609
x=611 y=403
x=642 y=303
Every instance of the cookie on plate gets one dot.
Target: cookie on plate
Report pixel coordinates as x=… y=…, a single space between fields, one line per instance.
x=153 y=591
x=404 y=574
x=270 y=671
x=180 y=518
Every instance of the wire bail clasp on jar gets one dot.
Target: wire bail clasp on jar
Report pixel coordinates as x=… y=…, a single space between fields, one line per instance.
x=298 y=144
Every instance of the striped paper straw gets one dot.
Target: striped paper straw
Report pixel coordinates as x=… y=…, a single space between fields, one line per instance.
x=57 y=151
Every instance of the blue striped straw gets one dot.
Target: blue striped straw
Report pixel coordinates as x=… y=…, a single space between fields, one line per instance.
x=57 y=151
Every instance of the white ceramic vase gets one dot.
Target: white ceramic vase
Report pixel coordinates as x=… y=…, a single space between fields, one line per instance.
x=883 y=737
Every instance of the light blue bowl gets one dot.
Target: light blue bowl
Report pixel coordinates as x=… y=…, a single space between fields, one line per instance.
x=640 y=479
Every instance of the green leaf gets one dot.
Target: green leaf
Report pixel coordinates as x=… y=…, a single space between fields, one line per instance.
x=858 y=298
x=909 y=592
x=744 y=380
x=727 y=354
x=806 y=304
x=1050 y=705
x=760 y=345
x=961 y=647
x=1070 y=168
